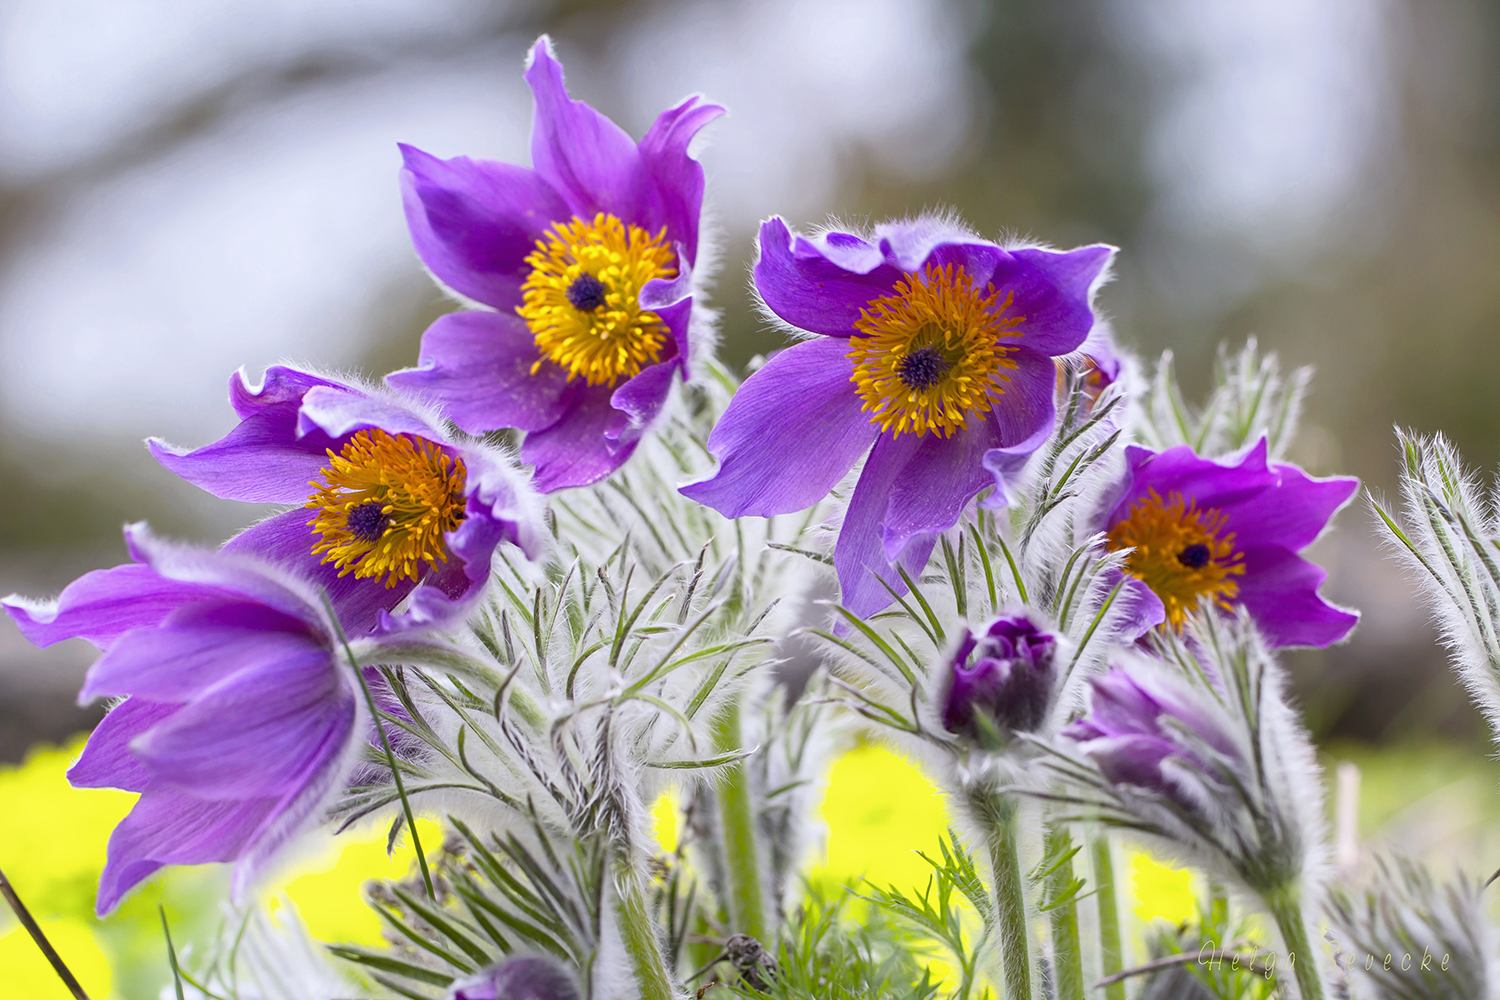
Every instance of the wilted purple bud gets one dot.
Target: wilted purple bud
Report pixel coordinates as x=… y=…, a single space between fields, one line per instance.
x=1140 y=732
x=1002 y=680
x=525 y=977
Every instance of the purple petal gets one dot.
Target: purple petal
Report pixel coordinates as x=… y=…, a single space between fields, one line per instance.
x=195 y=647
x=476 y=367
x=263 y=459
x=473 y=222
x=103 y=605
x=1025 y=411
x=1280 y=589
x=287 y=540
x=340 y=412
x=1292 y=514
x=253 y=734
x=789 y=434
x=584 y=156
x=581 y=448
x=819 y=288
x=676 y=178
x=641 y=399
x=929 y=494
x=106 y=761
x=910 y=245
x=859 y=556
x=1199 y=480
x=280 y=385
x=1051 y=290
x=171 y=827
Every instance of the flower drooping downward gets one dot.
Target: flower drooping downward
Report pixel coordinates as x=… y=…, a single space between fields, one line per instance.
x=239 y=721
x=1230 y=534
x=585 y=264
x=933 y=351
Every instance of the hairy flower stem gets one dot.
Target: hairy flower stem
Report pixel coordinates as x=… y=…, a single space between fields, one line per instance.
x=653 y=981
x=742 y=858
x=997 y=816
x=1111 y=953
x=1062 y=905
x=1286 y=910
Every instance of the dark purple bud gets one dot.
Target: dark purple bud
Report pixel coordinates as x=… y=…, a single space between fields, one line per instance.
x=1002 y=680
x=525 y=977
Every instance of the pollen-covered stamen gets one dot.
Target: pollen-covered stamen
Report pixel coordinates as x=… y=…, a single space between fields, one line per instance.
x=386 y=505
x=582 y=298
x=930 y=354
x=1181 y=552
x=368 y=521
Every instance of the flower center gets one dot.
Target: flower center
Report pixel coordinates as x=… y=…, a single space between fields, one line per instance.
x=1180 y=553
x=582 y=298
x=385 y=505
x=929 y=354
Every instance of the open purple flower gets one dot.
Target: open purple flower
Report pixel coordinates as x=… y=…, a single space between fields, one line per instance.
x=1230 y=533
x=239 y=721
x=390 y=506
x=1144 y=733
x=587 y=261
x=932 y=352
x=1003 y=680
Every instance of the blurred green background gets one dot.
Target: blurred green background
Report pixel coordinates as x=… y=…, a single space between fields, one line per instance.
x=185 y=189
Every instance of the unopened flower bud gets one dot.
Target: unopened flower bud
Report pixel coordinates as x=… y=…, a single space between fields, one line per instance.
x=1003 y=679
x=524 y=977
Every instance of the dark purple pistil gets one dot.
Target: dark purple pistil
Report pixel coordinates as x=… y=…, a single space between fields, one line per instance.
x=368 y=521
x=1194 y=556
x=922 y=368
x=586 y=293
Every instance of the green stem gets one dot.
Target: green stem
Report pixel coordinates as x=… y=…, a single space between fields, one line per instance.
x=1111 y=953
x=638 y=932
x=747 y=910
x=997 y=816
x=1287 y=912
x=1067 y=954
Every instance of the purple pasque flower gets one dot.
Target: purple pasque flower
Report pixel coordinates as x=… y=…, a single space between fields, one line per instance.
x=239 y=722
x=1229 y=533
x=1143 y=732
x=390 y=506
x=1003 y=680
x=587 y=262
x=522 y=977
x=931 y=352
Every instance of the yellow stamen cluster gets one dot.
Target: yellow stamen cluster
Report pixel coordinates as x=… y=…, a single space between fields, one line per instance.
x=582 y=298
x=929 y=354
x=1179 y=553
x=385 y=504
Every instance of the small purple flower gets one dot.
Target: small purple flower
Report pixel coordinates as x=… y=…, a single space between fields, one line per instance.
x=932 y=353
x=1230 y=533
x=525 y=977
x=1003 y=680
x=239 y=722
x=587 y=261
x=1143 y=733
x=390 y=506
